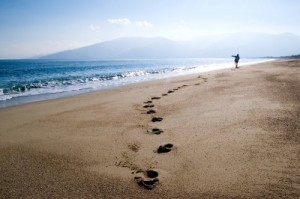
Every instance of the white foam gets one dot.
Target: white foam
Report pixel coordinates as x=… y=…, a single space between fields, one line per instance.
x=93 y=83
x=5 y=97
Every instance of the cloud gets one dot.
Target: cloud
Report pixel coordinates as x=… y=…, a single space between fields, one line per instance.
x=126 y=21
x=143 y=24
x=121 y=21
x=94 y=27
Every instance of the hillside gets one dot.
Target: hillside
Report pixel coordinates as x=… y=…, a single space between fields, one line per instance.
x=246 y=44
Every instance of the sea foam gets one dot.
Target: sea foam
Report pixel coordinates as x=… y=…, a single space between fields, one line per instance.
x=29 y=78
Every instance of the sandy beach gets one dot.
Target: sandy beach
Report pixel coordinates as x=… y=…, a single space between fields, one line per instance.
x=233 y=133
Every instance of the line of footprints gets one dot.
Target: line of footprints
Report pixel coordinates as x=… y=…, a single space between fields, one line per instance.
x=149 y=179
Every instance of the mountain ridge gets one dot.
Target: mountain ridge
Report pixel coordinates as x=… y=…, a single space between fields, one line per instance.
x=246 y=44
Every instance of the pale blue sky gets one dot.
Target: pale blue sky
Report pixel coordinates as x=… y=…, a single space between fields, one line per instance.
x=36 y=27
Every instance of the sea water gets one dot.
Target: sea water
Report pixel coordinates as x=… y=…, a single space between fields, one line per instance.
x=23 y=81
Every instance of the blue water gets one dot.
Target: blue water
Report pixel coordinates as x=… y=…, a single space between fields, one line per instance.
x=23 y=81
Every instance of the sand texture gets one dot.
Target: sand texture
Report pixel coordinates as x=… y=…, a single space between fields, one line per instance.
x=232 y=133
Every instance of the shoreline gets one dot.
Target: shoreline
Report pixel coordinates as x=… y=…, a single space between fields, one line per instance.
x=231 y=133
x=20 y=100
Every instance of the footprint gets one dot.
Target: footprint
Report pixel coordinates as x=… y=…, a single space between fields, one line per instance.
x=147 y=179
x=197 y=84
x=149 y=106
x=184 y=85
x=156 y=131
x=147 y=184
x=148 y=102
x=151 y=111
x=170 y=91
x=135 y=147
x=157 y=119
x=155 y=98
x=164 y=94
x=152 y=174
x=165 y=148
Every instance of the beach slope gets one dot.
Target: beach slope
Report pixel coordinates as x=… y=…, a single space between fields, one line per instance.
x=233 y=133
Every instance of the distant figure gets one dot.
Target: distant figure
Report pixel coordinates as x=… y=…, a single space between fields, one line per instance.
x=236 y=60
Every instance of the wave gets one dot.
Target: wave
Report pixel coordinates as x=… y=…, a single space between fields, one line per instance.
x=67 y=84
x=71 y=81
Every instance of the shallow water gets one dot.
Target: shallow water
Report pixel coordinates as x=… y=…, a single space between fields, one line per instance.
x=23 y=81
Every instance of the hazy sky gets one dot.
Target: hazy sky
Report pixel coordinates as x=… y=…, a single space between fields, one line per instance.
x=37 y=27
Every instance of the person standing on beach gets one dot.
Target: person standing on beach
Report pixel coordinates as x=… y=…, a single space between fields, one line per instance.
x=236 y=60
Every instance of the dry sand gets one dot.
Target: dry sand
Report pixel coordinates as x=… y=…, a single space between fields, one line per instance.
x=235 y=134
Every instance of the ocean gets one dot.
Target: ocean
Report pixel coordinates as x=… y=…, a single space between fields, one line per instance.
x=23 y=81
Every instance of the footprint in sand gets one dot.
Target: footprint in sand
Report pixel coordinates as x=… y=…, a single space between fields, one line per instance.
x=149 y=106
x=204 y=78
x=197 y=84
x=151 y=111
x=165 y=148
x=164 y=94
x=170 y=91
x=155 y=98
x=148 y=102
x=157 y=119
x=147 y=179
x=156 y=131
x=135 y=147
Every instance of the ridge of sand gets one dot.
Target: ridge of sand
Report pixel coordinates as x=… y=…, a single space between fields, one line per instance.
x=224 y=134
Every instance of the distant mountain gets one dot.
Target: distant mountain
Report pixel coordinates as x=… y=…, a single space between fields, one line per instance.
x=253 y=45
x=246 y=44
x=286 y=57
x=124 y=48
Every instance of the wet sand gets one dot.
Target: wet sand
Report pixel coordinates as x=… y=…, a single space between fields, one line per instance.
x=233 y=133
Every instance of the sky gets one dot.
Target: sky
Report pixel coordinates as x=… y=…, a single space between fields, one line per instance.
x=30 y=28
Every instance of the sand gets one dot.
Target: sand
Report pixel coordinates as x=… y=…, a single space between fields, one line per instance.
x=233 y=133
